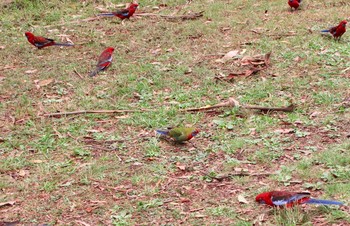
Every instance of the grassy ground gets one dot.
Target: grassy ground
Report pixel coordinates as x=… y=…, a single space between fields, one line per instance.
x=113 y=170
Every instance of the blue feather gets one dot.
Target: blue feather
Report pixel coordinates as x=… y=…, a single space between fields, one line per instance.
x=64 y=44
x=325 y=31
x=324 y=202
x=105 y=14
x=163 y=132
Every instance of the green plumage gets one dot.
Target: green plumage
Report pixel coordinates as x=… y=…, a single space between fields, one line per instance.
x=180 y=134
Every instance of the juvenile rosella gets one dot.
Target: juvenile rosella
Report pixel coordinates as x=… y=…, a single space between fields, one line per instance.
x=124 y=13
x=337 y=31
x=180 y=134
x=41 y=42
x=104 y=61
x=294 y=4
x=289 y=199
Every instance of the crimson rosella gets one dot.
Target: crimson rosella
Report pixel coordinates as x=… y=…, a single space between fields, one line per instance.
x=124 y=13
x=104 y=61
x=289 y=199
x=337 y=31
x=180 y=134
x=41 y=42
x=294 y=4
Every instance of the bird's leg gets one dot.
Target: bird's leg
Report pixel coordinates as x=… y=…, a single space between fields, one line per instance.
x=193 y=144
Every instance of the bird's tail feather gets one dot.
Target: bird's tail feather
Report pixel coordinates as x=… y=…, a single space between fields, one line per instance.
x=325 y=31
x=64 y=44
x=324 y=202
x=105 y=14
x=93 y=73
x=163 y=132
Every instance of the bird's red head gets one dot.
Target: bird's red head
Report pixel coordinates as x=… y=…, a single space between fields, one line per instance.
x=263 y=198
x=133 y=6
x=343 y=23
x=29 y=35
x=110 y=49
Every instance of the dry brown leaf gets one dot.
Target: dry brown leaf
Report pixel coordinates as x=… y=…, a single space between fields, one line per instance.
x=259 y=219
x=314 y=114
x=183 y=200
x=69 y=40
x=284 y=131
x=242 y=199
x=9 y=203
x=237 y=169
x=22 y=173
x=180 y=166
x=228 y=56
x=45 y=82
x=31 y=71
x=37 y=161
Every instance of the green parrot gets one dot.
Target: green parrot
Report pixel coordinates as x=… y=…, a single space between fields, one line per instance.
x=180 y=134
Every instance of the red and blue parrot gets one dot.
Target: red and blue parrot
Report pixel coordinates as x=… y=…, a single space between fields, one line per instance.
x=124 y=13
x=180 y=134
x=289 y=199
x=41 y=42
x=104 y=61
x=337 y=31
x=294 y=4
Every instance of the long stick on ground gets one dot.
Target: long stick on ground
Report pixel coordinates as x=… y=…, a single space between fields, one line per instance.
x=91 y=112
x=231 y=102
x=189 y=16
x=289 y=108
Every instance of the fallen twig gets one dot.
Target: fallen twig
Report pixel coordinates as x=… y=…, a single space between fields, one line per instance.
x=289 y=108
x=189 y=16
x=230 y=103
x=238 y=174
x=234 y=103
x=7 y=67
x=76 y=72
x=195 y=210
x=91 y=112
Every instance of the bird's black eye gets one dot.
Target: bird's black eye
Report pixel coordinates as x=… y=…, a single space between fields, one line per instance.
x=261 y=201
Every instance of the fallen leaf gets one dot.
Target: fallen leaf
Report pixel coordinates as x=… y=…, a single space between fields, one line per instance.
x=228 y=56
x=31 y=71
x=314 y=114
x=242 y=199
x=297 y=59
x=237 y=169
x=37 y=161
x=180 y=166
x=9 y=203
x=259 y=219
x=69 y=40
x=346 y=102
x=45 y=82
x=2 y=47
x=22 y=173
x=88 y=209
x=284 y=131
x=183 y=200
